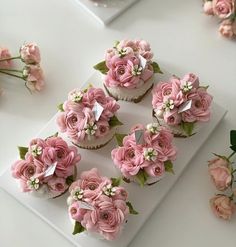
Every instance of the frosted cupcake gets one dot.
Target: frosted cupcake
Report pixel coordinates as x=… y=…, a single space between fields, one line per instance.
x=46 y=168
x=145 y=154
x=181 y=104
x=98 y=205
x=128 y=70
x=88 y=117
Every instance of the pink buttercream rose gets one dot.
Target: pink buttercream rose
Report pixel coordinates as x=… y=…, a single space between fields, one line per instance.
x=77 y=213
x=172 y=118
x=144 y=49
x=30 y=53
x=108 y=217
x=120 y=194
x=4 y=53
x=155 y=170
x=33 y=74
x=208 y=8
x=223 y=8
x=110 y=108
x=222 y=206
x=103 y=128
x=128 y=160
x=220 y=173
x=57 y=185
x=200 y=109
x=191 y=79
x=227 y=29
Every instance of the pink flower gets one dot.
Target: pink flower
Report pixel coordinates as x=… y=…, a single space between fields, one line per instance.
x=94 y=95
x=77 y=213
x=208 y=8
x=172 y=118
x=155 y=170
x=30 y=53
x=200 y=109
x=103 y=128
x=120 y=194
x=128 y=160
x=108 y=217
x=223 y=8
x=227 y=29
x=222 y=206
x=33 y=75
x=4 y=53
x=220 y=173
x=191 y=79
x=57 y=185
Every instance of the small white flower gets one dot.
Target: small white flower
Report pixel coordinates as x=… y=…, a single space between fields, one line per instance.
x=186 y=87
x=169 y=105
x=36 y=150
x=153 y=128
x=150 y=154
x=76 y=96
x=90 y=128
x=77 y=194
x=109 y=190
x=159 y=113
x=33 y=183
x=137 y=70
x=122 y=52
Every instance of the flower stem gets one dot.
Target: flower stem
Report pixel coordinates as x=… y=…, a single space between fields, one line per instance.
x=231 y=155
x=11 y=70
x=9 y=58
x=6 y=73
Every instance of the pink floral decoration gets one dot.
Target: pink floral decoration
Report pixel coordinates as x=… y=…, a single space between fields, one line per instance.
x=49 y=164
x=151 y=158
x=78 y=119
x=30 y=53
x=4 y=54
x=98 y=205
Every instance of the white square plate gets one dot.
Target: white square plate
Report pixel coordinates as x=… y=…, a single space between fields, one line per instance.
x=145 y=200
x=106 y=14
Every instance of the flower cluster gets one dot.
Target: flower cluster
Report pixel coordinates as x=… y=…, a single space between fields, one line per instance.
x=225 y=10
x=99 y=205
x=182 y=102
x=46 y=167
x=32 y=73
x=81 y=121
x=147 y=152
x=128 y=64
x=221 y=171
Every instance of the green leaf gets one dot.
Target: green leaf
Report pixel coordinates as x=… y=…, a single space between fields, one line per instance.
x=101 y=67
x=55 y=135
x=126 y=180
x=78 y=228
x=131 y=209
x=169 y=166
x=187 y=128
x=115 y=182
x=119 y=139
x=156 y=68
x=60 y=107
x=142 y=177
x=204 y=87
x=233 y=147
x=114 y=121
x=22 y=152
x=233 y=137
x=116 y=43
x=70 y=180
x=90 y=85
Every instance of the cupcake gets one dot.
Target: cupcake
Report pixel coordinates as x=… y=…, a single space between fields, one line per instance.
x=145 y=154
x=128 y=70
x=98 y=205
x=181 y=104
x=88 y=117
x=46 y=168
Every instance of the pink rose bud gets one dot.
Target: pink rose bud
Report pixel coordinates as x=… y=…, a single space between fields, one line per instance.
x=30 y=53
x=227 y=29
x=220 y=173
x=222 y=206
x=208 y=8
x=223 y=8
x=33 y=74
x=4 y=53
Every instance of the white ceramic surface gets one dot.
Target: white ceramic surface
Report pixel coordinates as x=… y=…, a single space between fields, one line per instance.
x=145 y=200
x=106 y=14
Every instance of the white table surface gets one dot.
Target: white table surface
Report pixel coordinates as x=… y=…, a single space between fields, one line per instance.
x=71 y=41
